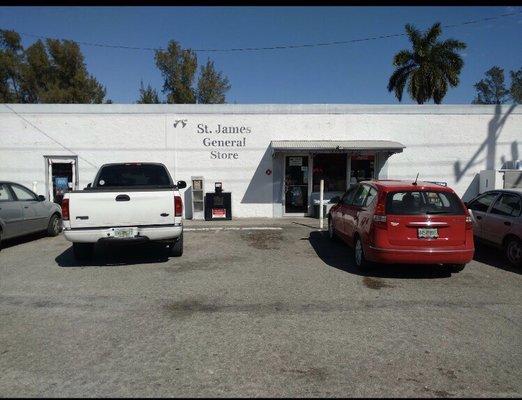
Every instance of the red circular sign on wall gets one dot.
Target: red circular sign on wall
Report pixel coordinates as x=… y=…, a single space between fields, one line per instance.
x=268 y=171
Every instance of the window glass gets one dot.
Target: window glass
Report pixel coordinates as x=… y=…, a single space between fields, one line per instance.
x=22 y=193
x=124 y=175
x=331 y=168
x=508 y=205
x=372 y=194
x=348 y=197
x=360 y=195
x=483 y=202
x=423 y=202
x=4 y=193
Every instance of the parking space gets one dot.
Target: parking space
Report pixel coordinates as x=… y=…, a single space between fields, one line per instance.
x=278 y=310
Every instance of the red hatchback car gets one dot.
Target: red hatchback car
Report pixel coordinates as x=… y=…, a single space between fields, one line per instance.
x=389 y=221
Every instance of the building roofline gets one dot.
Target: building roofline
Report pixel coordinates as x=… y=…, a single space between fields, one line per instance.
x=445 y=109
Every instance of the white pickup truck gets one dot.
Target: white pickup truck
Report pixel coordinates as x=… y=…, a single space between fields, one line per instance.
x=127 y=202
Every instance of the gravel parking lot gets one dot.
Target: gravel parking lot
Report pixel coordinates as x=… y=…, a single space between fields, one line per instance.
x=262 y=312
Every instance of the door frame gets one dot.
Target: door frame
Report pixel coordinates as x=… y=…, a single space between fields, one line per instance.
x=283 y=186
x=49 y=160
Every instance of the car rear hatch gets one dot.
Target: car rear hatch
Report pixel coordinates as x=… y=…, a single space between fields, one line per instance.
x=425 y=218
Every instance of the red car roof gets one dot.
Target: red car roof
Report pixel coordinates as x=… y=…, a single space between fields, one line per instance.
x=391 y=184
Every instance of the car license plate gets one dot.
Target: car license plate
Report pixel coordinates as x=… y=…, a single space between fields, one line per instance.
x=123 y=233
x=429 y=233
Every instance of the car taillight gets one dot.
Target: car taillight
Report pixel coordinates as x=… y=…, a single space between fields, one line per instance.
x=379 y=218
x=65 y=209
x=469 y=224
x=178 y=206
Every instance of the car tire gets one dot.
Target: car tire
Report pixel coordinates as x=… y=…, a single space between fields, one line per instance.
x=55 y=226
x=513 y=251
x=331 y=230
x=176 y=248
x=358 y=254
x=455 y=268
x=83 y=251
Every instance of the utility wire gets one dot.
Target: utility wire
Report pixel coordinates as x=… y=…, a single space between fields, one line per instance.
x=280 y=47
x=53 y=139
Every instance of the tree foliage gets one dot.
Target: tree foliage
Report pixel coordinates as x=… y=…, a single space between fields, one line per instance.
x=429 y=68
x=492 y=89
x=53 y=71
x=212 y=85
x=148 y=95
x=178 y=68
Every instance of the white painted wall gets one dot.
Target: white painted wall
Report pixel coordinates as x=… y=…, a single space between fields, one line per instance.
x=443 y=143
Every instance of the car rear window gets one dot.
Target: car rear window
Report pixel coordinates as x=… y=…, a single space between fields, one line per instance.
x=423 y=202
x=129 y=175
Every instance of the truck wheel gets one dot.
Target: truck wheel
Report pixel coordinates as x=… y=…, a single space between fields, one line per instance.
x=55 y=226
x=83 y=251
x=176 y=248
x=454 y=268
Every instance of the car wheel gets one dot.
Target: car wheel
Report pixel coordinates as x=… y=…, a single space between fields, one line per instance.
x=331 y=230
x=176 y=249
x=83 y=251
x=454 y=268
x=359 y=257
x=55 y=226
x=513 y=251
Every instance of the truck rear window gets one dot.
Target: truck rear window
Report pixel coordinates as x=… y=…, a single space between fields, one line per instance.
x=423 y=202
x=128 y=175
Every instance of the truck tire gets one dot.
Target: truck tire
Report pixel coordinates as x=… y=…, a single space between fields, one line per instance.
x=176 y=248
x=83 y=251
x=55 y=225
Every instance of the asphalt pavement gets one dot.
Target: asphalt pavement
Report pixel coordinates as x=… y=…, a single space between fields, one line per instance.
x=253 y=308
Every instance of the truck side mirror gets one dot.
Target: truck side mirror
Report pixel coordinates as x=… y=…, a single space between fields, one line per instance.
x=181 y=184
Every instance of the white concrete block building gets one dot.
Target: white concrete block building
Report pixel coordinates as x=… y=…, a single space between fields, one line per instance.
x=270 y=157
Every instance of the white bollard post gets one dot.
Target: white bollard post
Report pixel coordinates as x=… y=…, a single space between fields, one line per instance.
x=321 y=196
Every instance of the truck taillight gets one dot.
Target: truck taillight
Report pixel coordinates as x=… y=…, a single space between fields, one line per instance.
x=65 y=209
x=178 y=206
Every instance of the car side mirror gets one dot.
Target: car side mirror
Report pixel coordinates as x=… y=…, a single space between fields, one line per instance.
x=181 y=184
x=41 y=198
x=335 y=200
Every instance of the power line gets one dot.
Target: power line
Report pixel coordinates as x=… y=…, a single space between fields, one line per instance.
x=49 y=137
x=280 y=47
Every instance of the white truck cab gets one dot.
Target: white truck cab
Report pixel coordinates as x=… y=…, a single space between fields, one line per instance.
x=127 y=202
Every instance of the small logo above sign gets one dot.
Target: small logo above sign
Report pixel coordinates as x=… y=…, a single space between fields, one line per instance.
x=183 y=123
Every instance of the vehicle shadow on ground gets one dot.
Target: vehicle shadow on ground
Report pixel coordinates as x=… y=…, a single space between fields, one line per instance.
x=23 y=239
x=338 y=255
x=493 y=257
x=114 y=256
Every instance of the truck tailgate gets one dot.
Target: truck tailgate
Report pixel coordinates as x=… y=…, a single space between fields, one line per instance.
x=94 y=209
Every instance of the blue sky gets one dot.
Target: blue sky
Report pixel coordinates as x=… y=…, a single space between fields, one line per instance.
x=353 y=73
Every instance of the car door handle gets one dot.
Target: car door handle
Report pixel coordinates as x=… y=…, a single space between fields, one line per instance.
x=507 y=223
x=26 y=206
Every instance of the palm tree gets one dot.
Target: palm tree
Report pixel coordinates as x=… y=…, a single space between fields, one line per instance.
x=428 y=68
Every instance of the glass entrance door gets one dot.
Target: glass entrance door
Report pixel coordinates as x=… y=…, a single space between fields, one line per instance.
x=296 y=184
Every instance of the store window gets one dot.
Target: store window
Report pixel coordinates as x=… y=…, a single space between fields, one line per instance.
x=362 y=168
x=331 y=168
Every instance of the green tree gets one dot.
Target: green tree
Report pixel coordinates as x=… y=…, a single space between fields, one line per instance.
x=428 y=68
x=50 y=72
x=178 y=67
x=212 y=85
x=148 y=95
x=491 y=89
x=11 y=61
x=516 y=86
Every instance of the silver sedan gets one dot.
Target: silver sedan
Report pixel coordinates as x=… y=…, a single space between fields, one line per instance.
x=23 y=212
